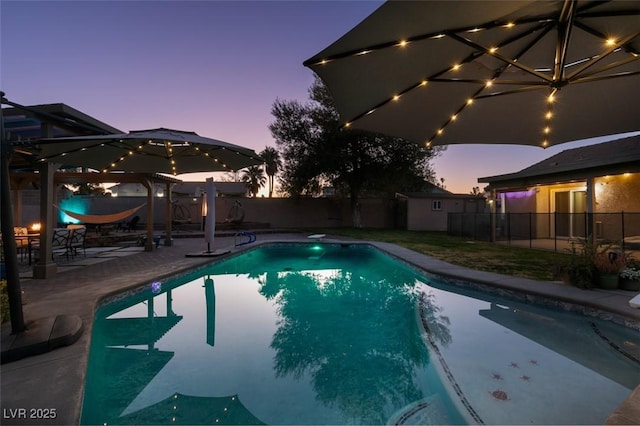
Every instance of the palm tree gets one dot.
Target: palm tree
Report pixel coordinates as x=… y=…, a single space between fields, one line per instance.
x=255 y=179
x=272 y=163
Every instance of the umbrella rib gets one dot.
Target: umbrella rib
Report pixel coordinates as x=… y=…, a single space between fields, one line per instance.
x=590 y=79
x=579 y=74
x=71 y=151
x=206 y=154
x=386 y=101
x=625 y=45
x=484 y=82
x=169 y=150
x=511 y=92
x=129 y=152
x=597 y=58
x=605 y=14
x=502 y=58
x=83 y=148
x=614 y=65
x=564 y=25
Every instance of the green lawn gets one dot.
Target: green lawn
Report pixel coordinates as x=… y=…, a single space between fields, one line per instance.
x=479 y=255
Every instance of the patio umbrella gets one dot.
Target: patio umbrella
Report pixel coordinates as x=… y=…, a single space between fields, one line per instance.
x=508 y=72
x=210 y=222
x=148 y=151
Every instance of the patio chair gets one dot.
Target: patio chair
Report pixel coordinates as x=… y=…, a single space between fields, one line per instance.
x=131 y=225
x=77 y=241
x=60 y=240
x=236 y=214
x=22 y=241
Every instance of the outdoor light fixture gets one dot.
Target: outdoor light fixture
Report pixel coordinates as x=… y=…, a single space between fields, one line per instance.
x=204 y=210
x=36 y=227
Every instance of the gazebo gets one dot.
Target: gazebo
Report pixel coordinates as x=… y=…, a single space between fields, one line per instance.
x=24 y=124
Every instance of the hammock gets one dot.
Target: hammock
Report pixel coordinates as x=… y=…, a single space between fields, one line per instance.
x=99 y=219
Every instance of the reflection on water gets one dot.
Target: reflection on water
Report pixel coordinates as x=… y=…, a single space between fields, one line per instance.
x=336 y=328
x=341 y=344
x=124 y=357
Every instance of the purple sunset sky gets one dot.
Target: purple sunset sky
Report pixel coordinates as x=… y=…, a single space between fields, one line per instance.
x=213 y=67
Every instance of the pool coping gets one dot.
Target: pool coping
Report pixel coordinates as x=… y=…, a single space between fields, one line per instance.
x=65 y=368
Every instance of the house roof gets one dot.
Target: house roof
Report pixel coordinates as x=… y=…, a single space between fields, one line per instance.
x=25 y=124
x=444 y=195
x=614 y=157
x=430 y=190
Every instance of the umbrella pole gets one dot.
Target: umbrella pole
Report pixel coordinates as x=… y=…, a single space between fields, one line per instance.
x=8 y=240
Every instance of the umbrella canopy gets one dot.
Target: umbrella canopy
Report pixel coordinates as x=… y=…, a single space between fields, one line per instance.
x=193 y=410
x=148 y=151
x=510 y=71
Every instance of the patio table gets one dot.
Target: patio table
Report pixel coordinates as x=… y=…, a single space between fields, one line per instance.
x=30 y=238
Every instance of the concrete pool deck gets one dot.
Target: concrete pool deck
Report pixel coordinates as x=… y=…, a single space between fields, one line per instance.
x=52 y=383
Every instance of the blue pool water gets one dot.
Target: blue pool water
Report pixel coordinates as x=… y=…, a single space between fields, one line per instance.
x=344 y=334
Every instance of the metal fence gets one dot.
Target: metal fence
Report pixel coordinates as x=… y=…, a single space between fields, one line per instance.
x=546 y=230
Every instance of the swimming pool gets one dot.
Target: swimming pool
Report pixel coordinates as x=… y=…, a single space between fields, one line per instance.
x=344 y=334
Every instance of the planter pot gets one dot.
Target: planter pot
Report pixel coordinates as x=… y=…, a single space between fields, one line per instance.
x=609 y=282
x=630 y=285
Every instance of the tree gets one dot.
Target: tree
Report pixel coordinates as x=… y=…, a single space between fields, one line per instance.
x=316 y=150
x=255 y=179
x=272 y=164
x=88 y=188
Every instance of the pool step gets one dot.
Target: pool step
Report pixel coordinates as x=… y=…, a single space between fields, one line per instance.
x=427 y=411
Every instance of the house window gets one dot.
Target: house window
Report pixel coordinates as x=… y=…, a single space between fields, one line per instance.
x=436 y=205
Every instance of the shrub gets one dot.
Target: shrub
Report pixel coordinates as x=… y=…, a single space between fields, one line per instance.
x=588 y=260
x=610 y=263
x=630 y=274
x=581 y=275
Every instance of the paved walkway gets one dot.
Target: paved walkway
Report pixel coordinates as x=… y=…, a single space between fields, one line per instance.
x=55 y=380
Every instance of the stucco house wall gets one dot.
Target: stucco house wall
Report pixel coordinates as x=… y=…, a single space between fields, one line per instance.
x=617 y=193
x=422 y=217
